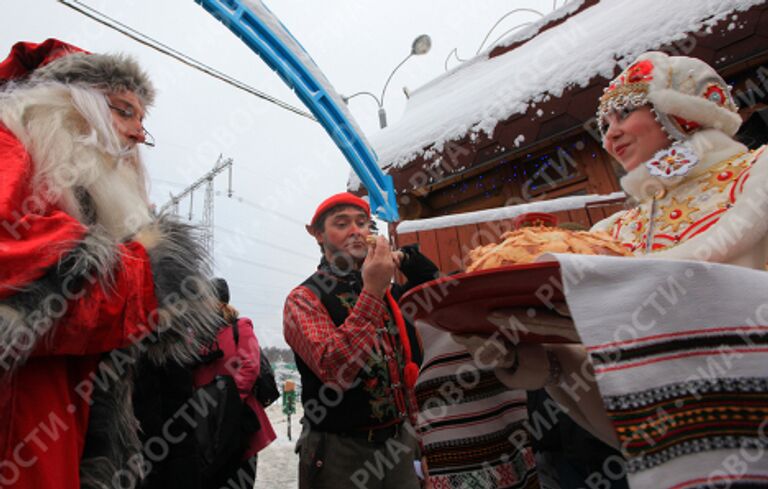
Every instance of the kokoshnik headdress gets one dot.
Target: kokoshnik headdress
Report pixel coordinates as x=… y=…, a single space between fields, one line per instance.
x=685 y=94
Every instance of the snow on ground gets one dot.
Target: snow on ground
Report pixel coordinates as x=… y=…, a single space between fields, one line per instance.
x=278 y=464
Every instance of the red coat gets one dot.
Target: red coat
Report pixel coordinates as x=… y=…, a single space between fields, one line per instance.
x=242 y=363
x=44 y=406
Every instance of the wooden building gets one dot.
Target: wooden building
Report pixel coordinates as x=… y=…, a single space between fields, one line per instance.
x=549 y=148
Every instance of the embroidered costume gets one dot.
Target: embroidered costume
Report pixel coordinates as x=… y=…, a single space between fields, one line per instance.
x=695 y=197
x=679 y=416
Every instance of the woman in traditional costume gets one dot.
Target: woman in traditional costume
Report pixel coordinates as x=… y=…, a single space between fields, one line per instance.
x=700 y=194
x=696 y=193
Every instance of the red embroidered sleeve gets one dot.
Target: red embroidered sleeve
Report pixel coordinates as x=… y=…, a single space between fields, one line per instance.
x=335 y=354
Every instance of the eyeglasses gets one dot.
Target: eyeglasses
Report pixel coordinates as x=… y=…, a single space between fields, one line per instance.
x=149 y=139
x=129 y=113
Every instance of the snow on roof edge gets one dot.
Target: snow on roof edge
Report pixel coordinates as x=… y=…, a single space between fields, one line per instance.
x=534 y=29
x=507 y=212
x=409 y=137
x=525 y=34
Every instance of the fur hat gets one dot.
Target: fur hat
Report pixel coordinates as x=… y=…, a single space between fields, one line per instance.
x=54 y=60
x=686 y=94
x=108 y=72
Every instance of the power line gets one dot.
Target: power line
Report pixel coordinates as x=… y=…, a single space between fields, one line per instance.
x=207 y=180
x=187 y=60
x=169 y=182
x=272 y=286
x=264 y=208
x=262 y=176
x=221 y=165
x=267 y=243
x=268 y=210
x=248 y=290
x=262 y=265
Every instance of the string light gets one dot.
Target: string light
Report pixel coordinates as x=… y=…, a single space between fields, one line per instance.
x=529 y=166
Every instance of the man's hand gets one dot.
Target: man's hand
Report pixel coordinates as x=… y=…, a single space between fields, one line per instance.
x=149 y=236
x=378 y=268
x=397 y=257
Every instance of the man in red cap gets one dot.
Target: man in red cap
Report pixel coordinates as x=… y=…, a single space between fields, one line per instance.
x=353 y=352
x=88 y=276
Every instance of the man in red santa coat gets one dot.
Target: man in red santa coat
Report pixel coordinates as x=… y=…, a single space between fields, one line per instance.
x=89 y=278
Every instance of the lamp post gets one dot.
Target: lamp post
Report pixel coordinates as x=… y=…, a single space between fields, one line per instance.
x=421 y=45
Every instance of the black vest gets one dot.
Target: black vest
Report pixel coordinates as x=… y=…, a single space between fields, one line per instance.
x=368 y=402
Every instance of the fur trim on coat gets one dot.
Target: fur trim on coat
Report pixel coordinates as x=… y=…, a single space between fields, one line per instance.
x=186 y=319
x=740 y=235
x=109 y=72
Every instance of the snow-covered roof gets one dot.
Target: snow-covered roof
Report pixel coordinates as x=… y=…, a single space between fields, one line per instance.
x=475 y=96
x=508 y=212
x=531 y=30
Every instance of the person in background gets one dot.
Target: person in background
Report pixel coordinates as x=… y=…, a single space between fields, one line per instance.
x=240 y=358
x=88 y=276
x=354 y=352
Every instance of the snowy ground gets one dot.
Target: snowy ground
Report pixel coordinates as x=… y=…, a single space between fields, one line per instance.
x=278 y=464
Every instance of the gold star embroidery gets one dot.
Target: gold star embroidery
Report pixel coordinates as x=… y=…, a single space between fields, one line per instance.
x=722 y=177
x=727 y=172
x=676 y=214
x=638 y=226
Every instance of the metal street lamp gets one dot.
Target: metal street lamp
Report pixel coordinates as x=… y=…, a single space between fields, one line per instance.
x=421 y=45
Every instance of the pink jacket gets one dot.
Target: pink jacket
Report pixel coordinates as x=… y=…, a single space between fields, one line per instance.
x=242 y=363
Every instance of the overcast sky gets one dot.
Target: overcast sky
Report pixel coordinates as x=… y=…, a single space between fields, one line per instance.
x=284 y=164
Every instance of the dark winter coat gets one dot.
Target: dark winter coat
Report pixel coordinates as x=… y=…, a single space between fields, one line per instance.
x=160 y=397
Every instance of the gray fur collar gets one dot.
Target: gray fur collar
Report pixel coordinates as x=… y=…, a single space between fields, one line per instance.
x=185 y=320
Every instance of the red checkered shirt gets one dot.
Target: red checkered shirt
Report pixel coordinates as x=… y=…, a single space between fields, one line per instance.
x=336 y=354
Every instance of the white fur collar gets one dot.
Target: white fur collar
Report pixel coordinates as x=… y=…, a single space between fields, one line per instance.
x=710 y=145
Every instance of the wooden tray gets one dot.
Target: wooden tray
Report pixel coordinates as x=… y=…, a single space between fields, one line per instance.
x=483 y=302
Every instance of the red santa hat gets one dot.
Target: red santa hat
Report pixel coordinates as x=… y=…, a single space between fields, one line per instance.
x=54 y=60
x=26 y=57
x=686 y=94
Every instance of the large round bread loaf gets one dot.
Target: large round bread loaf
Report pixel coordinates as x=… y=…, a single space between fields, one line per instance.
x=526 y=244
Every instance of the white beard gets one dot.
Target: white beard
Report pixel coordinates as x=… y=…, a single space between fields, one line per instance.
x=68 y=133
